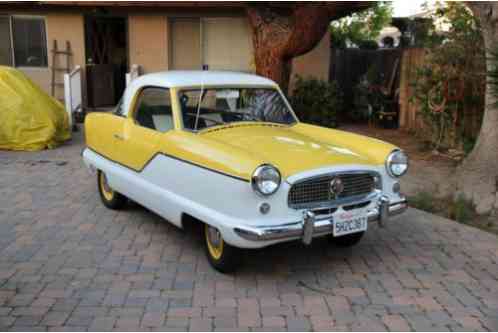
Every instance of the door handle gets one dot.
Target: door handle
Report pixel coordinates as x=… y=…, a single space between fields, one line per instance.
x=119 y=137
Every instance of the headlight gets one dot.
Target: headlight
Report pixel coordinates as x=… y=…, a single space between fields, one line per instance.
x=266 y=179
x=397 y=163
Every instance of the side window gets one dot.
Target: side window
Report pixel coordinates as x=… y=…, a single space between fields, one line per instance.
x=153 y=109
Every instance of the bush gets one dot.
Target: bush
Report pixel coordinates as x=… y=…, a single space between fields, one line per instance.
x=462 y=210
x=423 y=201
x=316 y=101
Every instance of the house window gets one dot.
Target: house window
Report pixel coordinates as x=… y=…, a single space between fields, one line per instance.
x=5 y=42
x=30 y=42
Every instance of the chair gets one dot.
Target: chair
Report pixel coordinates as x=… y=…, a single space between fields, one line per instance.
x=387 y=96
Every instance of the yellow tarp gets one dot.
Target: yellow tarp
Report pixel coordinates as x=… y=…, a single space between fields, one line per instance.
x=29 y=118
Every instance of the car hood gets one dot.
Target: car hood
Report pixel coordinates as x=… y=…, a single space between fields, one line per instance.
x=301 y=147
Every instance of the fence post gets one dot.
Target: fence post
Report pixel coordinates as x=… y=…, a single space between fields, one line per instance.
x=67 y=98
x=133 y=74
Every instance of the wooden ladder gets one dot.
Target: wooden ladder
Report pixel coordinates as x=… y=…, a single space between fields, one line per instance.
x=57 y=65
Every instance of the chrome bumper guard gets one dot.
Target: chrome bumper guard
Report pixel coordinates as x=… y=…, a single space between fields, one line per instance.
x=311 y=226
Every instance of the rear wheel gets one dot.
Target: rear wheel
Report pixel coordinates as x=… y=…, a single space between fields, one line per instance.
x=223 y=257
x=110 y=198
x=347 y=240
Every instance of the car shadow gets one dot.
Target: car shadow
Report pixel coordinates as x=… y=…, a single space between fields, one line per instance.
x=288 y=258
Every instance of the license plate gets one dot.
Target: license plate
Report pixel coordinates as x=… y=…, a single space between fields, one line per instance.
x=348 y=223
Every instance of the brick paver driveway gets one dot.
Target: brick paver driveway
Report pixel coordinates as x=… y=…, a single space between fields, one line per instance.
x=66 y=262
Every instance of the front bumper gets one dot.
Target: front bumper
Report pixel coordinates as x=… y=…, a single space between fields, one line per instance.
x=311 y=227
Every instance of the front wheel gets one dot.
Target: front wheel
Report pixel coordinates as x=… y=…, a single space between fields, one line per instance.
x=347 y=240
x=110 y=198
x=223 y=257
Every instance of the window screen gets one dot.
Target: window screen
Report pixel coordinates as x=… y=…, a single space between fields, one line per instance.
x=30 y=43
x=5 y=42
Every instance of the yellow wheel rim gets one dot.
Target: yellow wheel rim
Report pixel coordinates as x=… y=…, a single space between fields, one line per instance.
x=105 y=188
x=214 y=242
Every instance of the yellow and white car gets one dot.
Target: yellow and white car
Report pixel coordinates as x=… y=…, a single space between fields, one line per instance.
x=226 y=151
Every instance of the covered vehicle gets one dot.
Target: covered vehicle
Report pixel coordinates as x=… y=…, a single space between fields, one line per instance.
x=29 y=118
x=226 y=151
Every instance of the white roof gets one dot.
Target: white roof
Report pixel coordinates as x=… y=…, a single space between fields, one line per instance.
x=178 y=79
x=195 y=78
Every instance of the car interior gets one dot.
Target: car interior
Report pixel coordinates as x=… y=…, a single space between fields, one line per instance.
x=209 y=116
x=154 y=110
x=158 y=117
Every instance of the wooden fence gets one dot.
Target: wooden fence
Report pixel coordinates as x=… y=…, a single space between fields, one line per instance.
x=470 y=116
x=347 y=66
x=411 y=59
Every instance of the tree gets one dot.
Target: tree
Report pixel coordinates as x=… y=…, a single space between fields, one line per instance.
x=361 y=26
x=478 y=174
x=450 y=83
x=282 y=31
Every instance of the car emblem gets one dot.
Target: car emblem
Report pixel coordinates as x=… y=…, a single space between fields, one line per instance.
x=336 y=187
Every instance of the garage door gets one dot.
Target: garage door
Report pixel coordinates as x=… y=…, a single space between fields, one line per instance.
x=185 y=43
x=227 y=44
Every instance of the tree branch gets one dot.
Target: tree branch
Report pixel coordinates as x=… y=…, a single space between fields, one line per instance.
x=282 y=31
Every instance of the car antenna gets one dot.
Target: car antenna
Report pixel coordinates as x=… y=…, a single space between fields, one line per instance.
x=200 y=101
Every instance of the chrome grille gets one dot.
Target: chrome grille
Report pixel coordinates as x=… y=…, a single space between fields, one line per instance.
x=316 y=191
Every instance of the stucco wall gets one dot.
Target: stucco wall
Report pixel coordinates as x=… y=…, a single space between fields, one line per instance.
x=65 y=27
x=41 y=76
x=148 y=42
x=314 y=63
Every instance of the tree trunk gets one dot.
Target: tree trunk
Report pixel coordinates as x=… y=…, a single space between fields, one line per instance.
x=272 y=66
x=282 y=31
x=477 y=177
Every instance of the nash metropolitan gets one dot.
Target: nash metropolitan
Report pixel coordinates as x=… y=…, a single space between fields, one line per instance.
x=226 y=151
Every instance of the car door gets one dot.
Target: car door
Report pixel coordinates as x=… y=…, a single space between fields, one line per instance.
x=102 y=130
x=148 y=120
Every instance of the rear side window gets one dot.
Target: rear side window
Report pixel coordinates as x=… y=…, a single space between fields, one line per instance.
x=153 y=109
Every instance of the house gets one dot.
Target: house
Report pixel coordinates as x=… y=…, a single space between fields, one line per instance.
x=108 y=38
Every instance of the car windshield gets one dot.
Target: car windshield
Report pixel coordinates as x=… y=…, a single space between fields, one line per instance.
x=204 y=108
